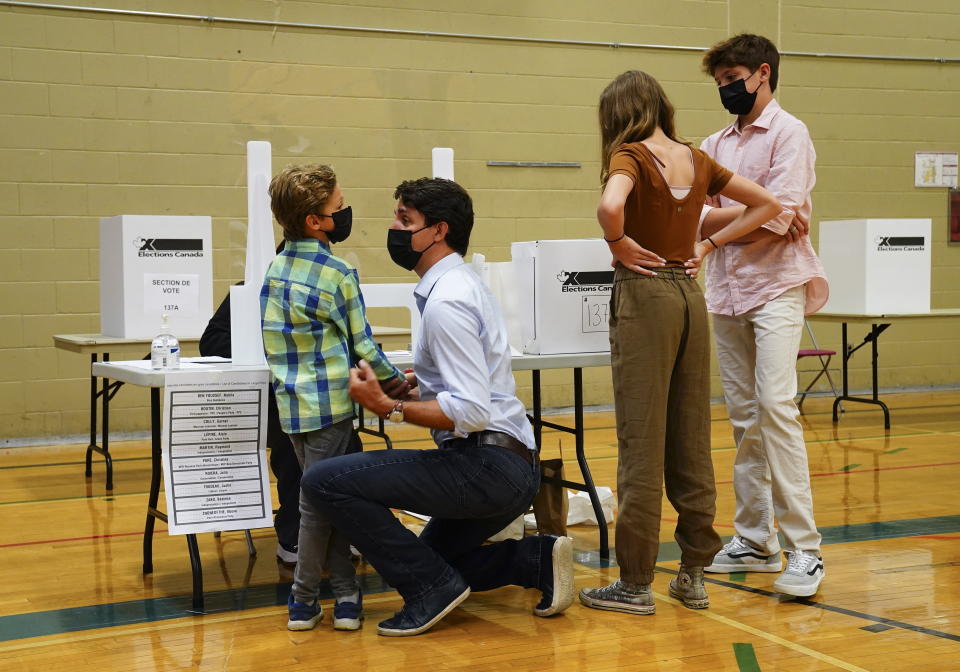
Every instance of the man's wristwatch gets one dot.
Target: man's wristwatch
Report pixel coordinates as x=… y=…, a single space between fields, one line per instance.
x=396 y=413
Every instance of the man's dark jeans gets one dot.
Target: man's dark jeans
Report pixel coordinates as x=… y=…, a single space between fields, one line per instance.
x=470 y=491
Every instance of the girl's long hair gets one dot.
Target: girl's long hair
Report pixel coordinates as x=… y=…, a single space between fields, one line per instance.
x=631 y=108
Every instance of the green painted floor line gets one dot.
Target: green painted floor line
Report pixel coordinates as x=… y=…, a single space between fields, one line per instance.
x=746 y=658
x=894 y=450
x=849 y=467
x=59 y=621
x=738 y=576
x=835 y=534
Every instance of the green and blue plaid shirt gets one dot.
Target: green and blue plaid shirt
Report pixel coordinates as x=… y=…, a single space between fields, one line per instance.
x=312 y=312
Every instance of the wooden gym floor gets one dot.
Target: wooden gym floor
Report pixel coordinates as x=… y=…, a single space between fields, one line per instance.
x=887 y=504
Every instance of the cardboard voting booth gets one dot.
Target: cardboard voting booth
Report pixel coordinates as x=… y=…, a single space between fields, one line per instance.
x=563 y=290
x=151 y=265
x=877 y=266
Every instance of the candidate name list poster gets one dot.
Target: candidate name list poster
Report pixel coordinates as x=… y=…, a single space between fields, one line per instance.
x=214 y=451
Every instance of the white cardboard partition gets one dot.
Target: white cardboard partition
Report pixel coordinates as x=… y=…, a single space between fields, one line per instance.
x=246 y=336
x=563 y=289
x=151 y=265
x=877 y=266
x=394 y=295
x=500 y=278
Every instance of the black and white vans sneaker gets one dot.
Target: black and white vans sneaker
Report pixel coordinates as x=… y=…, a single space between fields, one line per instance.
x=739 y=556
x=802 y=576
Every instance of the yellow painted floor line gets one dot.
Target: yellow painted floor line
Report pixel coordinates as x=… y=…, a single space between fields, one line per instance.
x=799 y=648
x=836 y=662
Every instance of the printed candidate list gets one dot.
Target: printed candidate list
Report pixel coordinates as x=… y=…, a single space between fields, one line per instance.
x=214 y=452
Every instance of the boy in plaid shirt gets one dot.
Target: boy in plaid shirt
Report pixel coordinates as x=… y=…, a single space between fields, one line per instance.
x=314 y=328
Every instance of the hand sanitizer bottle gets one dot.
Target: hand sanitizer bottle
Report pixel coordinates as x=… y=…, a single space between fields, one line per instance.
x=165 y=350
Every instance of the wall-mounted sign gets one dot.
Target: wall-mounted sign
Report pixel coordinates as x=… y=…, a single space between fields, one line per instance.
x=935 y=169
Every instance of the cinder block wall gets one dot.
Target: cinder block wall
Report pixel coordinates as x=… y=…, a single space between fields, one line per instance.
x=103 y=114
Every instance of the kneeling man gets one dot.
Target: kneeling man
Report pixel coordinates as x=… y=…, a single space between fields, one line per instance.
x=484 y=472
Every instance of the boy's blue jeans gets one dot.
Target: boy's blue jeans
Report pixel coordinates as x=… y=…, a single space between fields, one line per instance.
x=470 y=491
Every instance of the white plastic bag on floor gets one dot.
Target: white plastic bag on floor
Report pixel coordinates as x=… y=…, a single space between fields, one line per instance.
x=512 y=531
x=581 y=510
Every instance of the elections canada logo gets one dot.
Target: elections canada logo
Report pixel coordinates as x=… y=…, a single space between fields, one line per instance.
x=899 y=243
x=168 y=247
x=585 y=281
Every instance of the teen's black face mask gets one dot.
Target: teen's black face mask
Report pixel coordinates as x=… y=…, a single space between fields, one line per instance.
x=735 y=97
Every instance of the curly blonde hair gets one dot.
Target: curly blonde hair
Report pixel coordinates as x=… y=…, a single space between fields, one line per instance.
x=298 y=191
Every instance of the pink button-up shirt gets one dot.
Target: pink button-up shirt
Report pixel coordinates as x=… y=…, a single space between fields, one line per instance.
x=776 y=152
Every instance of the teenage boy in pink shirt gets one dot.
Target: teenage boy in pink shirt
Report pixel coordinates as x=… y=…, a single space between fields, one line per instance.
x=758 y=289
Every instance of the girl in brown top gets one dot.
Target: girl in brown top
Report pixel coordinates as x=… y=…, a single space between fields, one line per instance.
x=653 y=188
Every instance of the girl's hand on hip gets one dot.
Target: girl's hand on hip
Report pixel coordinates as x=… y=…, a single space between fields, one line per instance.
x=700 y=251
x=633 y=256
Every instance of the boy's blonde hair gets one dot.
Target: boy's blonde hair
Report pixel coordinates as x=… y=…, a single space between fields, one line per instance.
x=298 y=191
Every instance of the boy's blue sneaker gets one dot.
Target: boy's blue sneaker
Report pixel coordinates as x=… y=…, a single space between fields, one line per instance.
x=348 y=615
x=303 y=616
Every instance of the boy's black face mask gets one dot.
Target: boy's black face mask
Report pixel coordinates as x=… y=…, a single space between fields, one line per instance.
x=735 y=97
x=342 y=225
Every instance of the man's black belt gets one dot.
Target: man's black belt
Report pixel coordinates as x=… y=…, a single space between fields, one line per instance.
x=504 y=440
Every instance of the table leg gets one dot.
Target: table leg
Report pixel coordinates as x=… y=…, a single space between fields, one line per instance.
x=578 y=432
x=93 y=417
x=105 y=416
x=154 y=514
x=106 y=394
x=873 y=337
x=578 y=426
x=537 y=409
x=875 y=333
x=379 y=433
x=197 y=569
x=155 y=472
x=845 y=357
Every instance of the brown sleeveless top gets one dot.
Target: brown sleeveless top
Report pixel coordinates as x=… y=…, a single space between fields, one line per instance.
x=652 y=216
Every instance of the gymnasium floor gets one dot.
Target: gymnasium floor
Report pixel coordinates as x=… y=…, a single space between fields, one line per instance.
x=887 y=504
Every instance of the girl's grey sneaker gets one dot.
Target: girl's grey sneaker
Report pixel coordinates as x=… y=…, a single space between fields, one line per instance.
x=739 y=556
x=631 y=598
x=802 y=576
x=688 y=587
